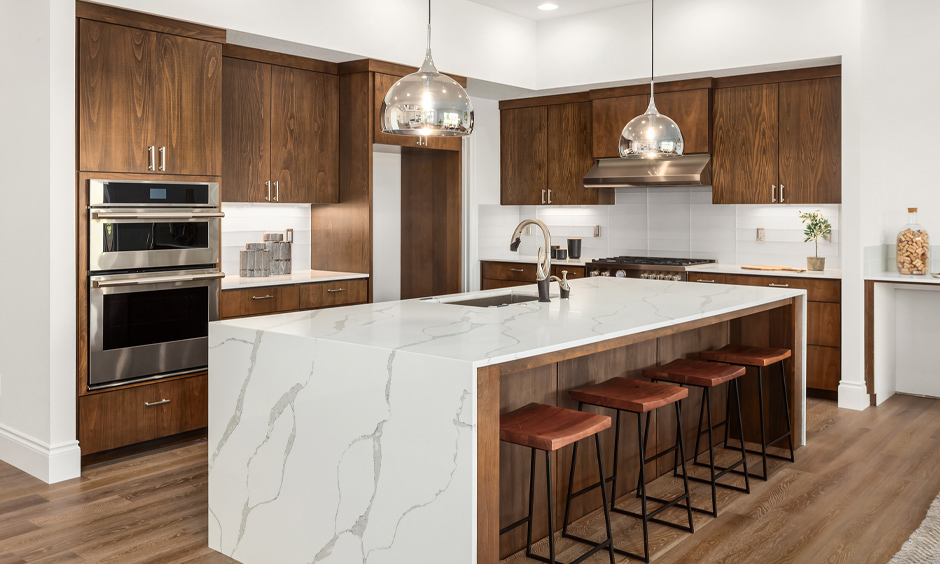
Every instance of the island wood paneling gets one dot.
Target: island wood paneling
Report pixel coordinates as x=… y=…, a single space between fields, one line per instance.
x=246 y=130
x=488 y=467
x=811 y=141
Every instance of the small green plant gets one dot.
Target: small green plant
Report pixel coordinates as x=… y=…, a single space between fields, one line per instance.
x=816 y=226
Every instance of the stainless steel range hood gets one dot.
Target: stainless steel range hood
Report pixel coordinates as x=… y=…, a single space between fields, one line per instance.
x=687 y=170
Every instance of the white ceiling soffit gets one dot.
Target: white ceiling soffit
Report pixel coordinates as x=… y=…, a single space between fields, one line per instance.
x=529 y=9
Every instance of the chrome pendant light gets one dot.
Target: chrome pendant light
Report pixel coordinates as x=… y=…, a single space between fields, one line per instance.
x=651 y=135
x=427 y=103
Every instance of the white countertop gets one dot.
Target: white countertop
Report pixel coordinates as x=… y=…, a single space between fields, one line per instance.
x=894 y=276
x=510 y=256
x=231 y=282
x=832 y=273
x=600 y=308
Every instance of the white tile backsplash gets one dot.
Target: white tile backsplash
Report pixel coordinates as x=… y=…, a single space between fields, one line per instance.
x=247 y=223
x=668 y=221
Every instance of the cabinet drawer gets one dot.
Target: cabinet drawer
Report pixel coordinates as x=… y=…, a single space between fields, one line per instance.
x=497 y=284
x=574 y=272
x=515 y=271
x=331 y=294
x=132 y=415
x=823 y=367
x=823 y=324
x=258 y=301
x=817 y=290
x=707 y=278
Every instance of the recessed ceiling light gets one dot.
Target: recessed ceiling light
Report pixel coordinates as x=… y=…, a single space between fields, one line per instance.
x=548 y=6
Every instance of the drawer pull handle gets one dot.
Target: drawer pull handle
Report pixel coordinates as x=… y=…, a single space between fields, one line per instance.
x=516 y=270
x=336 y=290
x=268 y=297
x=779 y=285
x=706 y=281
x=156 y=403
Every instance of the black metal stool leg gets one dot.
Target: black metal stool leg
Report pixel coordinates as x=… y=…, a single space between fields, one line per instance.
x=698 y=434
x=737 y=397
x=574 y=461
x=528 y=536
x=645 y=439
x=786 y=400
x=642 y=487
x=711 y=452
x=613 y=481
x=551 y=507
x=600 y=471
x=681 y=456
x=760 y=406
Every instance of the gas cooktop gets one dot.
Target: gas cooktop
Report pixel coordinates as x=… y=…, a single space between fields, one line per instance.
x=652 y=268
x=653 y=261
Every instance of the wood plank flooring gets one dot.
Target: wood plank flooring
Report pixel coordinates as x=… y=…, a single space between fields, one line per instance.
x=855 y=494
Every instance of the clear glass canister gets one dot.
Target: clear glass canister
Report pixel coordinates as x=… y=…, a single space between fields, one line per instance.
x=913 y=246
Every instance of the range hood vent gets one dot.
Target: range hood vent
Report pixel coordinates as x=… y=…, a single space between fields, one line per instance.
x=685 y=170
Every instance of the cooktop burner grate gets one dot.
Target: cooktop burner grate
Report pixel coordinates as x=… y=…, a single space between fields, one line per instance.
x=653 y=261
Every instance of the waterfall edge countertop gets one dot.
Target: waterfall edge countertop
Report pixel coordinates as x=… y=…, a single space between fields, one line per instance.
x=350 y=434
x=233 y=281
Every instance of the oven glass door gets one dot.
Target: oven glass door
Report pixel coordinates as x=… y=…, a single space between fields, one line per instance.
x=151 y=329
x=120 y=240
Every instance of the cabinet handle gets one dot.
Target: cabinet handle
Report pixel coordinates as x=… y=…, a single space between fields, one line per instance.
x=543 y=196
x=268 y=197
x=156 y=403
x=549 y=195
x=268 y=297
x=706 y=281
x=781 y=193
x=336 y=290
x=516 y=270
x=779 y=285
x=151 y=152
x=277 y=192
x=162 y=158
x=773 y=193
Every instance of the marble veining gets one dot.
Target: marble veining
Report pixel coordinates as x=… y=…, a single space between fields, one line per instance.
x=348 y=435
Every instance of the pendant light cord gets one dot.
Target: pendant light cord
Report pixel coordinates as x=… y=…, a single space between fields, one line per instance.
x=652 y=45
x=429 y=26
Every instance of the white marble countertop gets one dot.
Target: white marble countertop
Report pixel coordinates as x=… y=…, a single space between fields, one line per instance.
x=894 y=276
x=833 y=273
x=510 y=256
x=231 y=282
x=600 y=308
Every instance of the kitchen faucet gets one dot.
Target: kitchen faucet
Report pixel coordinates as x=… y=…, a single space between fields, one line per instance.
x=544 y=262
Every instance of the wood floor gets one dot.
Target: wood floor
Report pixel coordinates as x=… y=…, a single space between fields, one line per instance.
x=856 y=492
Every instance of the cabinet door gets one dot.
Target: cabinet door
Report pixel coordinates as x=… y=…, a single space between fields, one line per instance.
x=811 y=141
x=744 y=161
x=246 y=131
x=569 y=146
x=189 y=104
x=382 y=83
x=610 y=115
x=691 y=111
x=117 y=119
x=304 y=135
x=523 y=156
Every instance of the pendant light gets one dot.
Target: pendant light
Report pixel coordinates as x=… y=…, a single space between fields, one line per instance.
x=651 y=135
x=427 y=103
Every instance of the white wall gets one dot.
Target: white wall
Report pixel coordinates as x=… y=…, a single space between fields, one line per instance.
x=481 y=183
x=37 y=224
x=247 y=223
x=386 y=225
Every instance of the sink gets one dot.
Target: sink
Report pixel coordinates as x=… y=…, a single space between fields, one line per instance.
x=498 y=300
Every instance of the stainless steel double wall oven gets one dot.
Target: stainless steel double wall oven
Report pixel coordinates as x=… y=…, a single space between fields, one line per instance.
x=154 y=280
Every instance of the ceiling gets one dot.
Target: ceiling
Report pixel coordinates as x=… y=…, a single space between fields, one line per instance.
x=529 y=8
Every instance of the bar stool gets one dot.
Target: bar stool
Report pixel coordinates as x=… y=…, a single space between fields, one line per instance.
x=635 y=396
x=759 y=357
x=707 y=375
x=549 y=428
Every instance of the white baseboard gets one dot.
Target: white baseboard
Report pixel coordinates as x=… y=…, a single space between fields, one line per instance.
x=49 y=463
x=854 y=396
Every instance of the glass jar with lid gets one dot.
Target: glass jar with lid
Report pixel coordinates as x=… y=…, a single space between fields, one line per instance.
x=913 y=246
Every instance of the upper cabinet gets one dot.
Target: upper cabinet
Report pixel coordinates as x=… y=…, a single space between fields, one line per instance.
x=612 y=109
x=148 y=101
x=778 y=143
x=545 y=151
x=280 y=133
x=381 y=85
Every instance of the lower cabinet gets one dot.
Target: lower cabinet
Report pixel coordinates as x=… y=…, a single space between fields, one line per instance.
x=264 y=300
x=127 y=416
x=494 y=274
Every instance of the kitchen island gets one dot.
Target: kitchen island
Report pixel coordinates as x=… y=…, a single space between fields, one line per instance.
x=370 y=433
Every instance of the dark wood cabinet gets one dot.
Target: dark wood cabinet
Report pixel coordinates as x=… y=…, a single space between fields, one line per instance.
x=496 y=274
x=609 y=116
x=286 y=298
x=545 y=151
x=778 y=143
x=148 y=101
x=382 y=82
x=281 y=134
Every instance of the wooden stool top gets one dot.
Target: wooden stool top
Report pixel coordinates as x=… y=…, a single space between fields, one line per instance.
x=628 y=394
x=548 y=427
x=695 y=372
x=747 y=356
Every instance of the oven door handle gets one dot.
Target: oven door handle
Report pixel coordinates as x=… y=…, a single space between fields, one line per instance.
x=156 y=215
x=150 y=281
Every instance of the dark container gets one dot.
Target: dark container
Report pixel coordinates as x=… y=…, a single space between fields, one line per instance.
x=554 y=253
x=574 y=248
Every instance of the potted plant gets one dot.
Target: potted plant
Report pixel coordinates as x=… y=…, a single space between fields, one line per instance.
x=816 y=226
